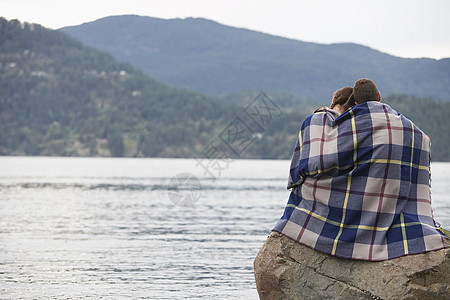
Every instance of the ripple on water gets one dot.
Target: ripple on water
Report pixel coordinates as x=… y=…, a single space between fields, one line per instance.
x=106 y=228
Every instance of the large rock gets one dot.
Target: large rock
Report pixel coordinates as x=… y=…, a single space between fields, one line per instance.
x=285 y=269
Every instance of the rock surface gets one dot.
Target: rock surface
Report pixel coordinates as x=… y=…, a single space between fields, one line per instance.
x=285 y=269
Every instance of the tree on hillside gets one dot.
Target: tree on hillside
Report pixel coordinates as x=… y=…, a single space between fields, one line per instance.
x=115 y=141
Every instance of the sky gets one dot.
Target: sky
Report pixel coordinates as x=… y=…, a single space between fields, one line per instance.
x=405 y=28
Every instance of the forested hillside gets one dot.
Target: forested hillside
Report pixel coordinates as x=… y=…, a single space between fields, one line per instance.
x=208 y=57
x=59 y=97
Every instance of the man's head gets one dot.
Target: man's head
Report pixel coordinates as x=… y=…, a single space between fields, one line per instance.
x=340 y=98
x=365 y=90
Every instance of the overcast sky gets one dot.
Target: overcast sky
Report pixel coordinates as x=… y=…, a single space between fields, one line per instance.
x=406 y=28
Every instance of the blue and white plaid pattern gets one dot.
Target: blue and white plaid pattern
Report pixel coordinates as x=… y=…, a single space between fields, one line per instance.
x=361 y=185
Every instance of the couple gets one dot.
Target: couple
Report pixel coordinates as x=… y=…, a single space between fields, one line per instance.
x=360 y=181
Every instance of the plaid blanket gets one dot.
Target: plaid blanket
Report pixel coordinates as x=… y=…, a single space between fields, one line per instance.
x=361 y=185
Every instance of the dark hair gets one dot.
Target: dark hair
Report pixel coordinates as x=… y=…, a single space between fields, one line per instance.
x=350 y=102
x=365 y=90
x=341 y=96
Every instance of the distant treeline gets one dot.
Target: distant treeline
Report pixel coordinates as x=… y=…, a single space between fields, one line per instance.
x=431 y=117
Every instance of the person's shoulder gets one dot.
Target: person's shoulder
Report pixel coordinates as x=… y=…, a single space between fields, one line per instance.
x=381 y=106
x=360 y=111
x=371 y=107
x=327 y=110
x=321 y=109
x=317 y=118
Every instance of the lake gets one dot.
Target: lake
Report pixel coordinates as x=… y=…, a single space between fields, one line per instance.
x=135 y=228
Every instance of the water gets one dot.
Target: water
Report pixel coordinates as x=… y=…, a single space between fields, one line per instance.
x=109 y=228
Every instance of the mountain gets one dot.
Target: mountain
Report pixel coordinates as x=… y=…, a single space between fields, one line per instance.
x=59 y=97
x=211 y=58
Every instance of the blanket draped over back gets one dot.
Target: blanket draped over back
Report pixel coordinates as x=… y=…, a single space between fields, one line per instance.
x=361 y=185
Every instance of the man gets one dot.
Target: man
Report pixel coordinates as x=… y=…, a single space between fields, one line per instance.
x=361 y=183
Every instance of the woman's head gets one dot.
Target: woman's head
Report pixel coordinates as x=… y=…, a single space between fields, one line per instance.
x=340 y=98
